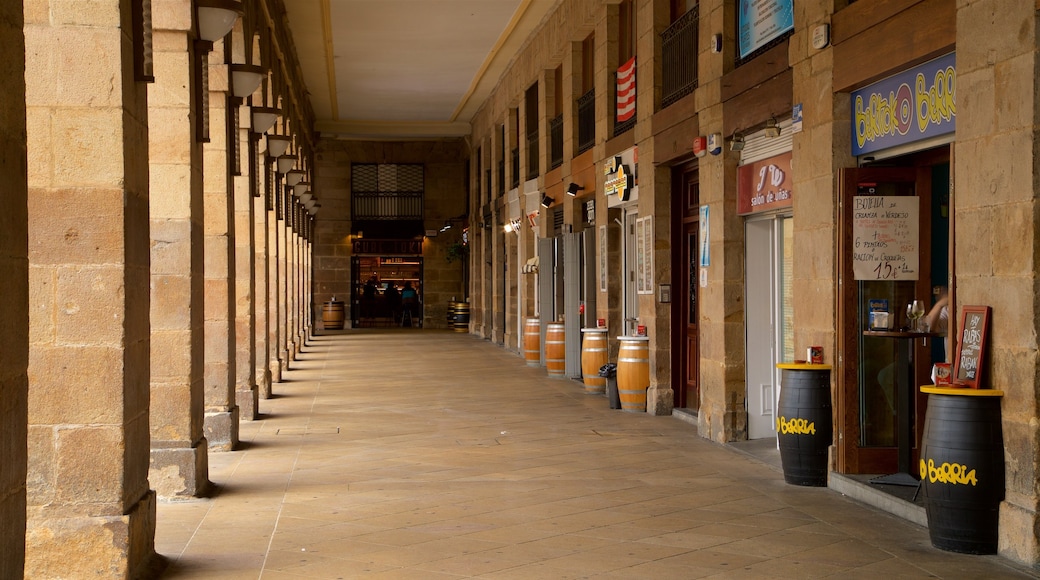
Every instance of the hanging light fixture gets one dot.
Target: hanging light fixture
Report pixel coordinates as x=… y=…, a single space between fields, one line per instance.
x=310 y=203
x=301 y=187
x=313 y=210
x=285 y=163
x=306 y=196
x=216 y=18
x=245 y=79
x=263 y=118
x=293 y=177
x=277 y=145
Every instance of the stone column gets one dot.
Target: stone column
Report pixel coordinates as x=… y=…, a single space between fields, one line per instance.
x=283 y=283
x=290 y=282
x=261 y=340
x=14 y=287
x=996 y=174
x=219 y=229
x=245 y=284
x=275 y=273
x=90 y=511
x=178 y=456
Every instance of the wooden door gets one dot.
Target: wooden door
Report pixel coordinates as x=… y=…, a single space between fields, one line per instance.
x=856 y=451
x=685 y=271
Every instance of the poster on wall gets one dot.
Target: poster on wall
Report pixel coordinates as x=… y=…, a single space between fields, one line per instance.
x=885 y=237
x=603 y=258
x=703 y=228
x=645 y=255
x=760 y=21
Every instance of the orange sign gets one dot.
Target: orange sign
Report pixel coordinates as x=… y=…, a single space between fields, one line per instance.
x=764 y=185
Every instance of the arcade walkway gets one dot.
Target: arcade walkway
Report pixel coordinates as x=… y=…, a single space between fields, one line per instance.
x=400 y=453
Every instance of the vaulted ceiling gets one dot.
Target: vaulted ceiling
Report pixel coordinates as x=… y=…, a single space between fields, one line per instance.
x=405 y=69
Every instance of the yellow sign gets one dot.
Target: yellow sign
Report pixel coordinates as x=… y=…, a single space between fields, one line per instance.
x=620 y=184
x=795 y=426
x=952 y=473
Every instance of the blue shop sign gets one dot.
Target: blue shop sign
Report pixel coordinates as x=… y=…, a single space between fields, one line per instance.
x=913 y=105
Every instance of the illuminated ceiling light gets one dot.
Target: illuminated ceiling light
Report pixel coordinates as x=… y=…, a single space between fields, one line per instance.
x=216 y=18
x=245 y=79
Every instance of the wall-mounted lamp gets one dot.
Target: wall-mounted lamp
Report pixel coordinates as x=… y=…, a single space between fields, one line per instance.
x=573 y=189
x=508 y=227
x=293 y=177
x=216 y=18
x=772 y=129
x=285 y=163
x=277 y=145
x=306 y=196
x=314 y=210
x=310 y=203
x=301 y=187
x=245 y=79
x=263 y=118
x=447 y=226
x=737 y=143
x=546 y=200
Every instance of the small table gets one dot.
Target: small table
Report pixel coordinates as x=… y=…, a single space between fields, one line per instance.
x=904 y=402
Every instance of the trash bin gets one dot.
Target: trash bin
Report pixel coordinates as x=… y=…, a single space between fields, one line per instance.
x=609 y=372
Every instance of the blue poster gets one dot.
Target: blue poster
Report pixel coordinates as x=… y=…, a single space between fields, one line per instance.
x=913 y=105
x=760 y=21
x=705 y=256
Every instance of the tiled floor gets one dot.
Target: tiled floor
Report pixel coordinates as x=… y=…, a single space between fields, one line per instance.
x=404 y=453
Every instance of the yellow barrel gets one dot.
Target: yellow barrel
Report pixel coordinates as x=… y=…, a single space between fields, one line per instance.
x=633 y=372
x=532 y=340
x=593 y=356
x=332 y=315
x=555 y=350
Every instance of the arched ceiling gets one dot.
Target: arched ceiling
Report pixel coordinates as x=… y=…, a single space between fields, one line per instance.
x=405 y=69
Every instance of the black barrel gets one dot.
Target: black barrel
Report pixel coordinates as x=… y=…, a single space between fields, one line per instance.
x=460 y=317
x=962 y=470
x=804 y=426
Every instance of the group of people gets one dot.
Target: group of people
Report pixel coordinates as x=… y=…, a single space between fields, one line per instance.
x=403 y=304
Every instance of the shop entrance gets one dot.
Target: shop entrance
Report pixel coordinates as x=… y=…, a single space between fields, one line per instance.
x=685 y=280
x=878 y=405
x=378 y=290
x=768 y=308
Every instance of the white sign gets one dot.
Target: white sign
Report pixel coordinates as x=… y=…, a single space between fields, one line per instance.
x=885 y=237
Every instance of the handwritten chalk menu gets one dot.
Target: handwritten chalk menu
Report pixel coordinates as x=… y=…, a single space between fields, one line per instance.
x=972 y=346
x=885 y=237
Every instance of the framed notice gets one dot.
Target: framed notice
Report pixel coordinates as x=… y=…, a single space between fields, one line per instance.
x=647 y=255
x=640 y=261
x=971 y=346
x=603 y=258
x=885 y=237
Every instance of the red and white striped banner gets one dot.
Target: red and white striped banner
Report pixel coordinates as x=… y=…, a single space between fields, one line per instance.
x=626 y=90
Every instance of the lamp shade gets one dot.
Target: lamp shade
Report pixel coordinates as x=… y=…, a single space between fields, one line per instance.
x=277 y=145
x=285 y=163
x=306 y=196
x=216 y=18
x=313 y=209
x=573 y=189
x=310 y=203
x=301 y=187
x=245 y=79
x=293 y=177
x=547 y=200
x=264 y=118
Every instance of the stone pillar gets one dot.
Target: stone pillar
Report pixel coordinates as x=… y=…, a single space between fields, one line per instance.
x=284 y=338
x=290 y=281
x=14 y=287
x=90 y=511
x=275 y=273
x=996 y=172
x=245 y=285
x=261 y=340
x=179 y=465
x=219 y=228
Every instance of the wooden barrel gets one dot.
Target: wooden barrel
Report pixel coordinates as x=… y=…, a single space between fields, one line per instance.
x=593 y=356
x=532 y=342
x=555 y=350
x=332 y=315
x=633 y=372
x=962 y=468
x=461 y=317
x=804 y=427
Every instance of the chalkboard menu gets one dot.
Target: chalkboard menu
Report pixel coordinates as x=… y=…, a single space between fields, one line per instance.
x=971 y=346
x=885 y=237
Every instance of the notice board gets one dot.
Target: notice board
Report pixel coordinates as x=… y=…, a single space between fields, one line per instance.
x=886 y=237
x=971 y=347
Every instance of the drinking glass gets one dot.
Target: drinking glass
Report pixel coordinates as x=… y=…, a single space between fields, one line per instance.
x=917 y=308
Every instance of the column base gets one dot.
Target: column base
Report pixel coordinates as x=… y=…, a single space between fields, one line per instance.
x=1017 y=538
x=247 y=399
x=221 y=430
x=118 y=546
x=180 y=472
x=659 y=401
x=276 y=371
x=284 y=361
x=263 y=383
